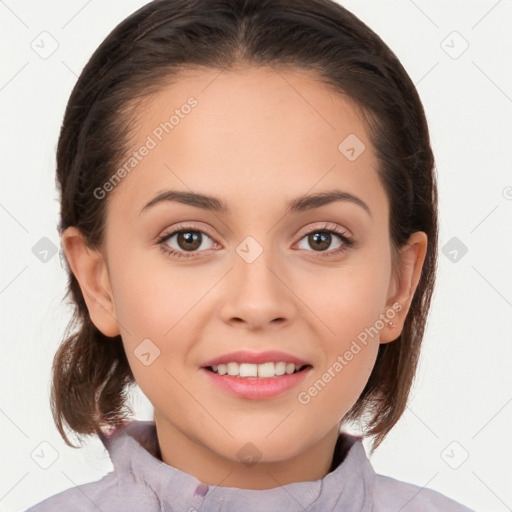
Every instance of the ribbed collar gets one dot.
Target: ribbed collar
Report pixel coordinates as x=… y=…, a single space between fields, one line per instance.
x=135 y=456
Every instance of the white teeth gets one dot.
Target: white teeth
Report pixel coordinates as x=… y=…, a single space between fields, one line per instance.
x=248 y=370
x=280 y=368
x=264 y=370
x=233 y=368
x=290 y=368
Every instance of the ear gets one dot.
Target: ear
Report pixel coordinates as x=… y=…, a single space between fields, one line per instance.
x=406 y=276
x=91 y=272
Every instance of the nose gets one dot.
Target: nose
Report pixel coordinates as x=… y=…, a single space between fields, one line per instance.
x=256 y=295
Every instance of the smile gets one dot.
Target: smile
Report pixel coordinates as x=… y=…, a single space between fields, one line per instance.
x=255 y=375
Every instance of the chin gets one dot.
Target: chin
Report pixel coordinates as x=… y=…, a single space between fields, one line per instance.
x=265 y=448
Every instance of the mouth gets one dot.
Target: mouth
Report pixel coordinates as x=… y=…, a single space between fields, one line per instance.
x=256 y=376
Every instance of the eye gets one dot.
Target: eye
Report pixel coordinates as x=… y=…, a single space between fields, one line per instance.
x=185 y=239
x=321 y=239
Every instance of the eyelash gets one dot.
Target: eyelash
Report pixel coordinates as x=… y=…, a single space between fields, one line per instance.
x=348 y=242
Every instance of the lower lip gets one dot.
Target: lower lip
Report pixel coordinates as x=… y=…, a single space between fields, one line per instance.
x=257 y=388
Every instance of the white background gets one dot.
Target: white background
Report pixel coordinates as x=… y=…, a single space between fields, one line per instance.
x=462 y=401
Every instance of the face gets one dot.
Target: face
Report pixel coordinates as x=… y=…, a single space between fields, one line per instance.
x=193 y=286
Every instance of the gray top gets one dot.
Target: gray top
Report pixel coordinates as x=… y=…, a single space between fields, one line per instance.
x=141 y=482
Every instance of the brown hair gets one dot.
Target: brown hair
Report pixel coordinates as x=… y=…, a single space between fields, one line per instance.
x=91 y=375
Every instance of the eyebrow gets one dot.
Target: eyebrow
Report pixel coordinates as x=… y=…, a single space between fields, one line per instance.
x=299 y=204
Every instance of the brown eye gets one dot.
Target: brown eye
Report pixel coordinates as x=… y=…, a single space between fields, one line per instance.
x=189 y=240
x=319 y=240
x=185 y=242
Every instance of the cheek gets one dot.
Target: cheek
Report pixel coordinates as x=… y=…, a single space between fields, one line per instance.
x=158 y=302
x=153 y=295
x=339 y=381
x=350 y=299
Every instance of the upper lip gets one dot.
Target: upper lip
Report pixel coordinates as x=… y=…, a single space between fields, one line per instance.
x=244 y=356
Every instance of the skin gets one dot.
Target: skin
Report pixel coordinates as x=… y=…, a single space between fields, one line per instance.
x=257 y=139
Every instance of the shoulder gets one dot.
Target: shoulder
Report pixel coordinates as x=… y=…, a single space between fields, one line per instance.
x=87 y=497
x=127 y=487
x=391 y=494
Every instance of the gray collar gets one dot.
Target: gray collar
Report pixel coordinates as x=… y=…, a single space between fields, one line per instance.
x=136 y=458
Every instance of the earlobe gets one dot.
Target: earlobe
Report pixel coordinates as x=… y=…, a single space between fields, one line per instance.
x=406 y=280
x=90 y=270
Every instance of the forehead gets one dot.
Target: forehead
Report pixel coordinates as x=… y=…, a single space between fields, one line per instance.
x=252 y=133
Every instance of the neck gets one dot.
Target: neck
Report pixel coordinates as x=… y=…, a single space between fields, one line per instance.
x=210 y=467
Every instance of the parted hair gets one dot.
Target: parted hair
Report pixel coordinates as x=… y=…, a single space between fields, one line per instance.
x=91 y=377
